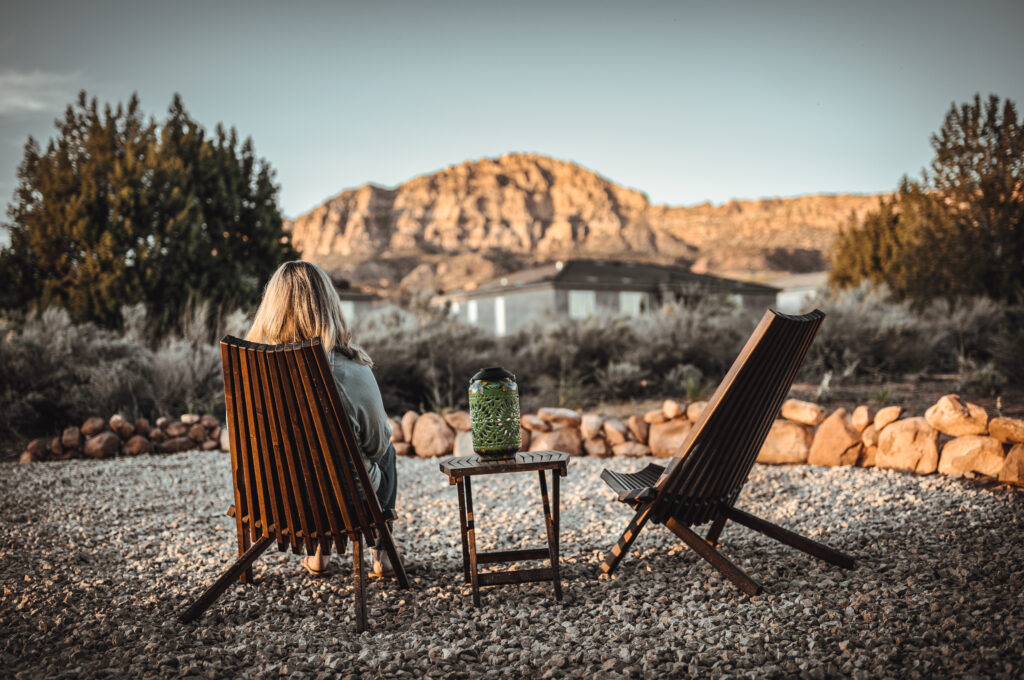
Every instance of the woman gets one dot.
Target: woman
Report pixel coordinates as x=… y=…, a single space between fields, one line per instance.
x=300 y=303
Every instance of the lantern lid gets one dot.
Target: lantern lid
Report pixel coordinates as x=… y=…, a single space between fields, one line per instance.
x=493 y=373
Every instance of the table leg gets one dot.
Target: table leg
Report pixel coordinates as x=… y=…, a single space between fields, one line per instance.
x=463 y=529
x=551 y=524
x=471 y=534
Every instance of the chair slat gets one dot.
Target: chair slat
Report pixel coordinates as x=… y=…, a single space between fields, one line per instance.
x=238 y=475
x=266 y=453
x=241 y=438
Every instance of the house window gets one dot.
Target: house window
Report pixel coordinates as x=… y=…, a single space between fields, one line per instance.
x=471 y=311
x=454 y=310
x=582 y=303
x=348 y=310
x=499 y=315
x=631 y=304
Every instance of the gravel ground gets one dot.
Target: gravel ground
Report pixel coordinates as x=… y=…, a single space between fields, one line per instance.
x=96 y=559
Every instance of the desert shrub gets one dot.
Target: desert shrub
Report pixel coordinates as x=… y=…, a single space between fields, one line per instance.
x=620 y=380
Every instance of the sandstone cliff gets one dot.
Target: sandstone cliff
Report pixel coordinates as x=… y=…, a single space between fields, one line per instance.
x=525 y=208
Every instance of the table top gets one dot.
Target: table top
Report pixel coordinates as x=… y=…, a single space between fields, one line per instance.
x=524 y=461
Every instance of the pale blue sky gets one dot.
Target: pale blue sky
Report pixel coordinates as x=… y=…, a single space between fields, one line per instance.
x=685 y=101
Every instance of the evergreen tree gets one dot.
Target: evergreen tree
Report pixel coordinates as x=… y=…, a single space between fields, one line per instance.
x=119 y=210
x=960 y=230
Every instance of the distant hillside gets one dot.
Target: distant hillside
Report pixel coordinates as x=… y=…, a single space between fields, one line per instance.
x=485 y=217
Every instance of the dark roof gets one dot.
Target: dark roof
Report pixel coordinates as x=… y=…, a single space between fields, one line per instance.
x=356 y=295
x=616 y=274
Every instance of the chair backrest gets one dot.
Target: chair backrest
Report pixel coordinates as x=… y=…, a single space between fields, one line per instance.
x=297 y=472
x=721 y=448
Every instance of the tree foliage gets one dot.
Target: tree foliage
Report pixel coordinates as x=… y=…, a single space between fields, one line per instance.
x=960 y=230
x=119 y=210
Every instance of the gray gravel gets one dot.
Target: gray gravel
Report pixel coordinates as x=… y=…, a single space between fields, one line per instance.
x=96 y=558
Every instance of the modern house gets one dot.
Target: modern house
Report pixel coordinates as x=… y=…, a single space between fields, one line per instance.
x=354 y=302
x=577 y=289
x=797 y=291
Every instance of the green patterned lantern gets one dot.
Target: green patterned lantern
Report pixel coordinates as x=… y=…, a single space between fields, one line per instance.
x=494 y=413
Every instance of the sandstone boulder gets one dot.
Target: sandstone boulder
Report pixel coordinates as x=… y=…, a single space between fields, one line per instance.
x=408 y=424
x=836 y=442
x=175 y=429
x=861 y=418
x=868 y=456
x=565 y=439
x=431 y=436
x=157 y=435
x=1012 y=471
x=560 y=416
x=197 y=432
x=664 y=439
x=652 y=417
x=176 y=445
x=71 y=438
x=524 y=438
x=403 y=449
x=38 y=448
x=103 y=445
x=694 y=410
x=208 y=445
x=56 y=447
x=93 y=425
x=596 y=447
x=951 y=415
x=189 y=418
x=162 y=422
x=672 y=409
x=889 y=414
x=972 y=453
x=214 y=434
x=592 y=426
x=138 y=445
x=869 y=436
x=225 y=440
x=787 y=442
x=121 y=426
x=396 y=430
x=1007 y=430
x=615 y=431
x=142 y=426
x=910 y=445
x=27 y=457
x=534 y=424
x=459 y=421
x=638 y=428
x=208 y=420
x=632 y=449
x=803 y=412
x=463 y=444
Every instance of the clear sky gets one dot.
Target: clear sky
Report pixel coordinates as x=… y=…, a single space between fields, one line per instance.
x=687 y=101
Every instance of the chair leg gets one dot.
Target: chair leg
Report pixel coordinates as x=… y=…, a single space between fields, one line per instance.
x=388 y=540
x=822 y=552
x=715 y=532
x=625 y=542
x=359 y=574
x=717 y=560
x=241 y=566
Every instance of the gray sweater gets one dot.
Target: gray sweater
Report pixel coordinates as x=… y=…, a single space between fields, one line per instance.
x=361 y=398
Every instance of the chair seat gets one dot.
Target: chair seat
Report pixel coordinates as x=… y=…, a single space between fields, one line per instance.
x=634 y=486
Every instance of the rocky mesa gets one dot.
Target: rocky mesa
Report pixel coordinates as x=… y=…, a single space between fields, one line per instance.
x=524 y=208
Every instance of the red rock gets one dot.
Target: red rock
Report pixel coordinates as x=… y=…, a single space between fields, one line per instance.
x=524 y=438
x=157 y=435
x=402 y=448
x=189 y=418
x=665 y=439
x=787 y=443
x=534 y=424
x=836 y=442
x=224 y=439
x=209 y=421
x=176 y=445
x=138 y=445
x=592 y=426
x=972 y=453
x=950 y=415
x=197 y=432
x=560 y=416
x=632 y=449
x=431 y=436
x=868 y=456
x=72 y=438
x=463 y=444
x=56 y=448
x=803 y=412
x=694 y=410
x=396 y=430
x=1007 y=430
x=1012 y=471
x=142 y=426
x=459 y=421
x=910 y=445
x=162 y=422
x=174 y=430
x=861 y=418
x=93 y=425
x=596 y=447
x=103 y=445
x=408 y=424
x=214 y=434
x=209 y=445
x=38 y=448
x=122 y=427
x=671 y=408
x=27 y=457
x=615 y=431
x=565 y=439
x=638 y=427
x=652 y=417
x=869 y=436
x=889 y=414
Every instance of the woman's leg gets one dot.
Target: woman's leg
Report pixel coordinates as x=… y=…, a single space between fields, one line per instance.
x=387 y=492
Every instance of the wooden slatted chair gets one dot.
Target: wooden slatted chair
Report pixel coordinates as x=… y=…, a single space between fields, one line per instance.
x=297 y=473
x=702 y=483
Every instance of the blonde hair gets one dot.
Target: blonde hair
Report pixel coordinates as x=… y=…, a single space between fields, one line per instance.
x=300 y=303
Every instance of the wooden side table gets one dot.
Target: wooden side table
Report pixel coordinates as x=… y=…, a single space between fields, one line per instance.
x=460 y=470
